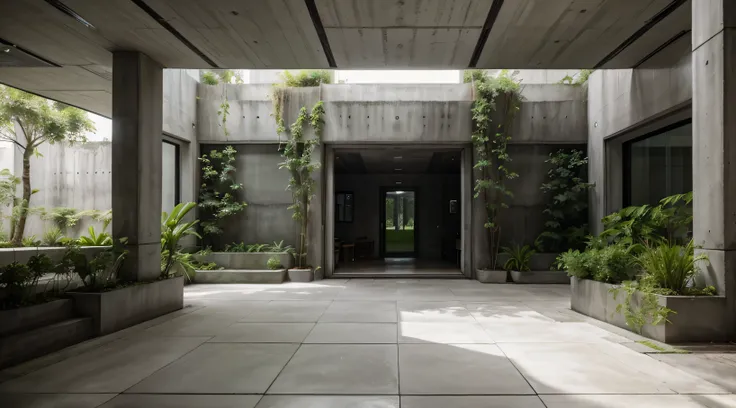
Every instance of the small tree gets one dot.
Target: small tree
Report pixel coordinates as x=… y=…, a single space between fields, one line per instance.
x=39 y=121
x=297 y=153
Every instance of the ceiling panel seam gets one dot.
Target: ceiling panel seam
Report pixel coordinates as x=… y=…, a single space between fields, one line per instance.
x=319 y=27
x=662 y=47
x=483 y=37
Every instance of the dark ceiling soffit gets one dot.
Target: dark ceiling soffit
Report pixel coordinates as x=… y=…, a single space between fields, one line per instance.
x=662 y=47
x=317 y=21
x=25 y=51
x=55 y=100
x=485 y=32
x=643 y=30
x=165 y=24
x=71 y=13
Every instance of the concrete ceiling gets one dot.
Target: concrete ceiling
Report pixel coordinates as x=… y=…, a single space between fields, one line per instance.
x=74 y=39
x=397 y=161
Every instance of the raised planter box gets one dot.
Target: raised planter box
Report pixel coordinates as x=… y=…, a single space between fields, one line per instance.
x=541 y=261
x=491 y=276
x=697 y=318
x=301 y=275
x=247 y=260
x=241 y=276
x=32 y=317
x=22 y=254
x=117 y=309
x=540 y=277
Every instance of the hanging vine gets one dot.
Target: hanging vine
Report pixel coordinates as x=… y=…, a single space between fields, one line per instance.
x=497 y=100
x=224 y=77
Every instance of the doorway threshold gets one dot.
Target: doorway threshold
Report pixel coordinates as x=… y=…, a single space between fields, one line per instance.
x=394 y=275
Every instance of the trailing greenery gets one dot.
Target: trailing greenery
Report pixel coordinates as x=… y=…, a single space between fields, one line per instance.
x=173 y=229
x=519 y=257
x=497 y=101
x=40 y=121
x=306 y=78
x=566 y=191
x=580 y=79
x=222 y=76
x=297 y=153
x=218 y=194
x=273 y=263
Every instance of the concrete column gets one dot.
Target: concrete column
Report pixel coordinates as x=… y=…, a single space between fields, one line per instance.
x=136 y=161
x=714 y=143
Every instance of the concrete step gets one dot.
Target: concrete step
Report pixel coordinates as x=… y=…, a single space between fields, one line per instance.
x=20 y=347
x=241 y=276
x=32 y=317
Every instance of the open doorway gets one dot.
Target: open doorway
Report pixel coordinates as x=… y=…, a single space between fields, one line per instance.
x=397 y=211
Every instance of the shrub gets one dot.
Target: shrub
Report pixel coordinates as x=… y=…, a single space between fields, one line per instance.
x=306 y=78
x=614 y=264
x=18 y=281
x=519 y=257
x=578 y=264
x=31 y=241
x=273 y=263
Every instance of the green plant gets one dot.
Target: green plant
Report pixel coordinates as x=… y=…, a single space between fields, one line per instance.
x=224 y=76
x=640 y=306
x=94 y=239
x=236 y=247
x=670 y=267
x=611 y=264
x=257 y=248
x=279 y=247
x=173 y=229
x=218 y=193
x=103 y=217
x=18 y=281
x=52 y=236
x=306 y=78
x=40 y=265
x=31 y=241
x=63 y=217
x=566 y=190
x=297 y=153
x=40 y=121
x=474 y=75
x=519 y=257
x=497 y=101
x=273 y=263
x=580 y=79
x=102 y=271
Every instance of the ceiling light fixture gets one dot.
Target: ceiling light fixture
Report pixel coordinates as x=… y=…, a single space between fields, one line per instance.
x=398 y=157
x=71 y=13
x=398 y=169
x=398 y=182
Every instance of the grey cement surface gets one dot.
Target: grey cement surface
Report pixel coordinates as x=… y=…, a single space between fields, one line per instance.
x=365 y=343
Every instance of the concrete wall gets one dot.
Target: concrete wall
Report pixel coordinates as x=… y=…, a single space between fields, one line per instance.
x=436 y=228
x=624 y=104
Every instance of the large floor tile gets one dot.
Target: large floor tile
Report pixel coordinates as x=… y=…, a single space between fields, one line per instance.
x=442 y=332
x=293 y=311
x=639 y=401
x=264 y=333
x=221 y=368
x=434 y=312
x=365 y=333
x=543 y=332
x=358 y=369
x=109 y=369
x=597 y=368
x=472 y=402
x=182 y=401
x=505 y=313
x=53 y=400
x=358 y=311
x=192 y=325
x=458 y=369
x=717 y=368
x=306 y=401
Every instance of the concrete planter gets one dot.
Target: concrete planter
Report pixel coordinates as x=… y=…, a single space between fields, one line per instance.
x=23 y=254
x=540 y=277
x=696 y=318
x=301 y=275
x=241 y=276
x=541 y=261
x=31 y=317
x=491 y=276
x=117 y=309
x=247 y=260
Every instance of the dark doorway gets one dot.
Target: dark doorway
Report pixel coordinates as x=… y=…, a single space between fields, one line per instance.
x=398 y=225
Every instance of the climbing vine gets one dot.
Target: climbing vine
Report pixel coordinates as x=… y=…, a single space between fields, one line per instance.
x=225 y=77
x=497 y=100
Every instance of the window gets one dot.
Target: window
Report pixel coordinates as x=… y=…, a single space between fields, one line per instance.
x=344 y=207
x=659 y=165
x=170 y=174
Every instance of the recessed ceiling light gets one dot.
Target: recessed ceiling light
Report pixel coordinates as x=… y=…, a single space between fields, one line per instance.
x=398 y=169
x=398 y=182
x=398 y=157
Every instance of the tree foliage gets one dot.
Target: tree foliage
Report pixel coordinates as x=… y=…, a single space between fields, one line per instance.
x=28 y=121
x=218 y=194
x=497 y=101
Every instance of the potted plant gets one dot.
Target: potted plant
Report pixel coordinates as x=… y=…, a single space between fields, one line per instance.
x=297 y=153
x=519 y=263
x=497 y=100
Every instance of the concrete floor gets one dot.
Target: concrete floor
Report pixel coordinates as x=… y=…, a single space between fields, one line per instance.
x=397 y=268
x=370 y=344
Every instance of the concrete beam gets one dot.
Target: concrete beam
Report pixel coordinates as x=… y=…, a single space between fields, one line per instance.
x=136 y=160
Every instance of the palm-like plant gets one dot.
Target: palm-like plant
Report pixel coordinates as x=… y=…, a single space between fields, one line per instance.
x=94 y=239
x=173 y=229
x=519 y=257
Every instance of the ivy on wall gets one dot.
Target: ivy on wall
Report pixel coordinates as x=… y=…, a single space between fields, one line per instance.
x=497 y=100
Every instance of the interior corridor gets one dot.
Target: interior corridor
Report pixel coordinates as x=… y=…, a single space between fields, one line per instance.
x=383 y=343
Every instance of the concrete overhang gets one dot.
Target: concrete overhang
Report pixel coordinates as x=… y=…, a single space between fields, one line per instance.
x=77 y=37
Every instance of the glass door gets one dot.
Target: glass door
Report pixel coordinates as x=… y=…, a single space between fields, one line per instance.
x=398 y=227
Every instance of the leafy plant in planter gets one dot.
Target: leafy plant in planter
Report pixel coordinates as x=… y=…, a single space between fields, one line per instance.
x=273 y=263
x=218 y=193
x=279 y=247
x=20 y=280
x=101 y=272
x=297 y=153
x=173 y=229
x=567 y=202
x=519 y=257
x=497 y=101
x=95 y=239
x=53 y=237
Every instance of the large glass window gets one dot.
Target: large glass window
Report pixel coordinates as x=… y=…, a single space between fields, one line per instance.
x=170 y=177
x=659 y=165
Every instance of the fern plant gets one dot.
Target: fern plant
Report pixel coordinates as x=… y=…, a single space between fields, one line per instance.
x=218 y=195
x=520 y=257
x=497 y=101
x=53 y=236
x=670 y=267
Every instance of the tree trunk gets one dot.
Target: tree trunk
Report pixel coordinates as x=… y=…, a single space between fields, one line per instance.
x=25 y=199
